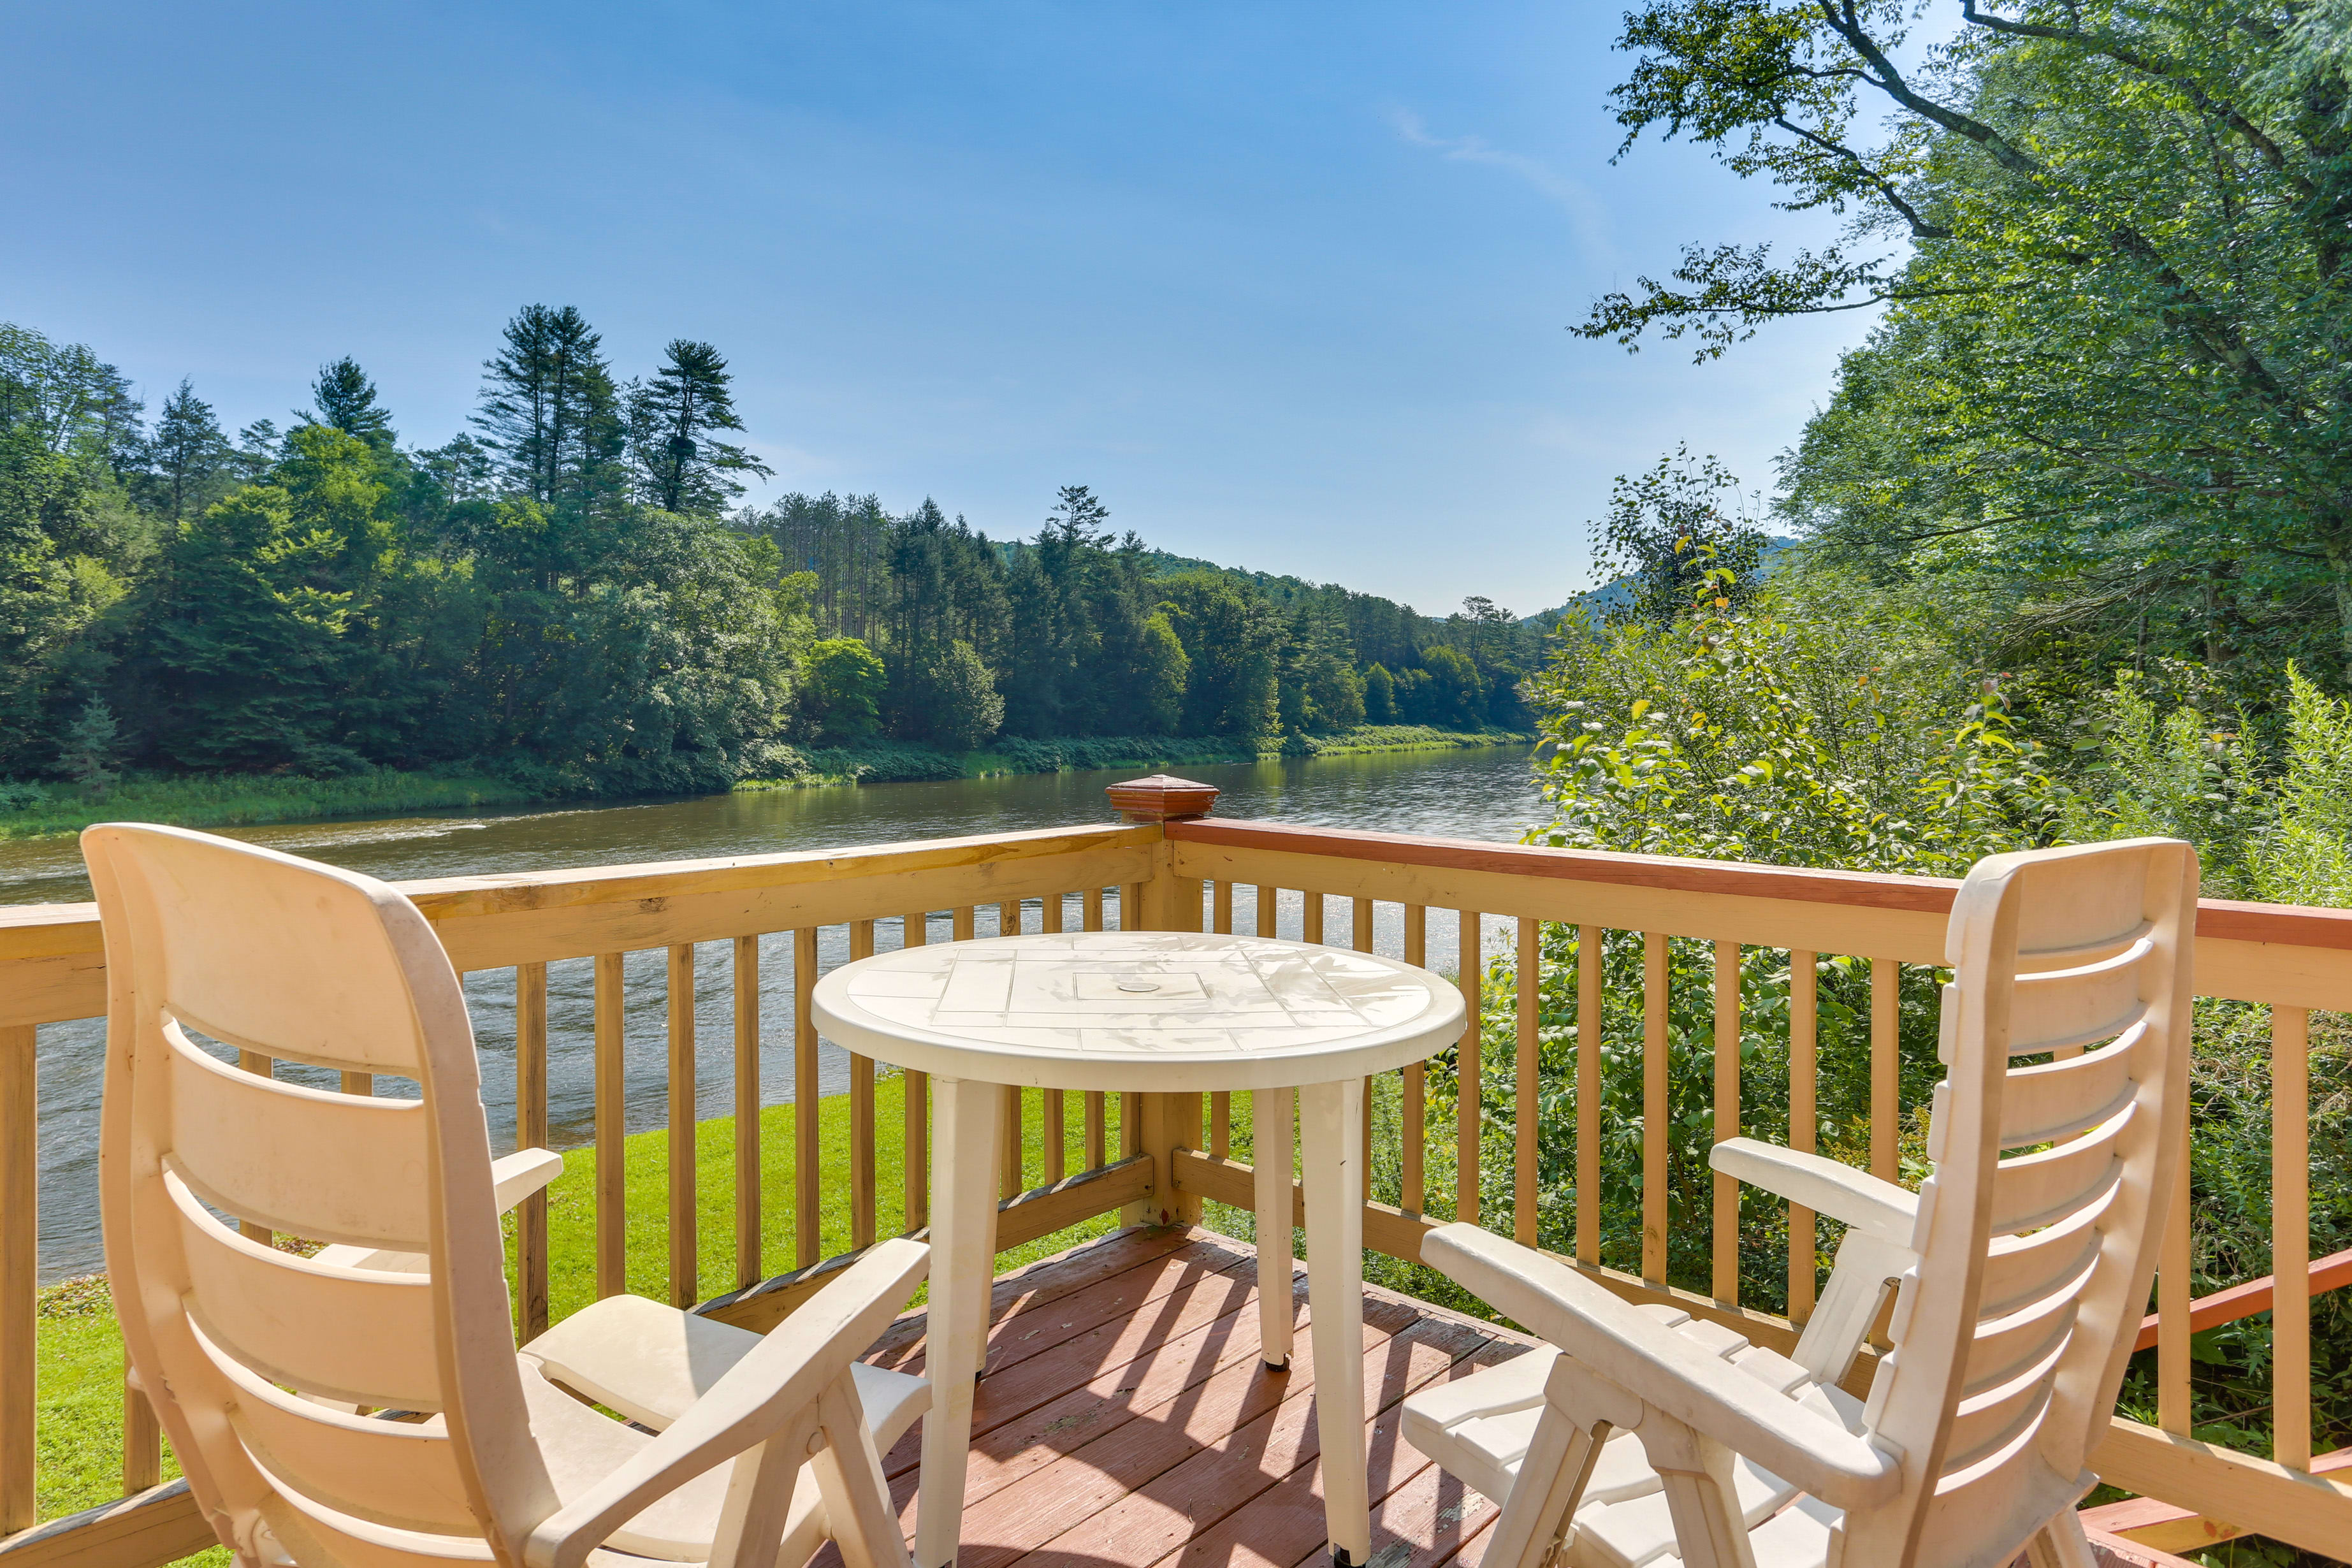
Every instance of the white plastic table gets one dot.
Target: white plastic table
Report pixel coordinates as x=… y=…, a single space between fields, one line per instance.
x=1147 y=1012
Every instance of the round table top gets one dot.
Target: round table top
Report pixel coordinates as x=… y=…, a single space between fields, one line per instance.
x=1132 y=1012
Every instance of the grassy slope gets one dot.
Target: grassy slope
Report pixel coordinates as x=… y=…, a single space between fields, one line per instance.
x=235 y=800
x=79 y=1376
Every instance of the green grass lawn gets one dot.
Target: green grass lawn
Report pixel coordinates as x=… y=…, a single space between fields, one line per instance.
x=78 y=1424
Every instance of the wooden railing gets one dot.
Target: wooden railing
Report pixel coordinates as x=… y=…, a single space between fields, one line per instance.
x=1173 y=1154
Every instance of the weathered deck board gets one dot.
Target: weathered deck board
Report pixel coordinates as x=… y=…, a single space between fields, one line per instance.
x=1127 y=1419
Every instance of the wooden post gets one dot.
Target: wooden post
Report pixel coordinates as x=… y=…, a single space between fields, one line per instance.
x=530 y=1132
x=1589 y=949
x=1527 y=1137
x=807 y=1243
x=1467 y=1130
x=1411 y=1182
x=747 y=1111
x=612 y=1129
x=1725 y=1260
x=1167 y=902
x=19 y=1271
x=685 y=1252
x=861 y=1117
x=1804 y=1120
x=1655 y=1070
x=915 y=930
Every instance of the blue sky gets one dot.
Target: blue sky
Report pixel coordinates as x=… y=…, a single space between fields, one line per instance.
x=1287 y=284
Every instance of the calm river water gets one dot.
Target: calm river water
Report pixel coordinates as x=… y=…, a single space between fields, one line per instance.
x=1481 y=793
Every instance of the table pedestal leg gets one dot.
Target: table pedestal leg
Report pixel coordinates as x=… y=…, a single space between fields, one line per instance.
x=1331 y=1145
x=963 y=1271
x=1270 y=1155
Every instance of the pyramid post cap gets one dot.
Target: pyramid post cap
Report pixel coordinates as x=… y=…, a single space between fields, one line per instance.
x=1162 y=798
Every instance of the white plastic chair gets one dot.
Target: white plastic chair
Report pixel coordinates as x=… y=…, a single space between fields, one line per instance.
x=262 y=1364
x=2055 y=1139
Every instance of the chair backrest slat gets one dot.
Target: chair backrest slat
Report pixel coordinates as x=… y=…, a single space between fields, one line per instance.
x=323 y=1166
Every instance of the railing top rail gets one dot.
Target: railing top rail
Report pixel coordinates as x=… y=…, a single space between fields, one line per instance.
x=46 y=931
x=2227 y=919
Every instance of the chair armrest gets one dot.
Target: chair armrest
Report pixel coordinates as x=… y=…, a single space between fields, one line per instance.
x=521 y=1173
x=1825 y=1186
x=772 y=1386
x=1623 y=1345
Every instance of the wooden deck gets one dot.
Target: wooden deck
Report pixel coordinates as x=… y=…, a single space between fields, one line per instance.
x=1127 y=1419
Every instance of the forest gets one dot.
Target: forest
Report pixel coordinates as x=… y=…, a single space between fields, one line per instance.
x=568 y=596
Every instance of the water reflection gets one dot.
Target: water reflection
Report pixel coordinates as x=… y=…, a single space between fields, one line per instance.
x=1484 y=794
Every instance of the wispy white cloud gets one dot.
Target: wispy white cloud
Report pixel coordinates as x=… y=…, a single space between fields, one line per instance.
x=1589 y=217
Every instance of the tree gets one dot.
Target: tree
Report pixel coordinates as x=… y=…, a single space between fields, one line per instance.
x=187 y=452
x=1455 y=693
x=1666 y=532
x=1232 y=642
x=671 y=420
x=845 y=688
x=2110 y=241
x=549 y=409
x=967 y=710
x=344 y=398
x=90 y=747
x=1379 y=696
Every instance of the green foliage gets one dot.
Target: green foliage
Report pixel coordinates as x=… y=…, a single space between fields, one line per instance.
x=673 y=421
x=1666 y=531
x=845 y=688
x=89 y=749
x=1736 y=735
x=1379 y=696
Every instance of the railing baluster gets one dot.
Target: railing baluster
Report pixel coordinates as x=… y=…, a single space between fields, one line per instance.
x=1269 y=910
x=1886 y=1069
x=2289 y=1236
x=915 y=931
x=20 y=1272
x=1524 y=1134
x=1221 y=1122
x=2173 y=1265
x=267 y=1067
x=143 y=1440
x=685 y=1252
x=861 y=1116
x=1090 y=909
x=1009 y=1142
x=1221 y=908
x=1359 y=937
x=1412 y=1179
x=360 y=1083
x=612 y=1128
x=1310 y=916
x=1130 y=1124
x=1097 y=1130
x=1725 y=1284
x=1589 y=951
x=964 y=924
x=1130 y=907
x=1466 y=1131
x=530 y=1132
x=1050 y=1103
x=1804 y=1120
x=1655 y=1068
x=807 y=1240
x=747 y=1111
x=1008 y=917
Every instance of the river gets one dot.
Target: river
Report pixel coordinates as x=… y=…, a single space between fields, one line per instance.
x=1462 y=794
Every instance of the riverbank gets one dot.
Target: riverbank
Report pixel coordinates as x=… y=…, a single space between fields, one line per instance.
x=32 y=810
x=892 y=762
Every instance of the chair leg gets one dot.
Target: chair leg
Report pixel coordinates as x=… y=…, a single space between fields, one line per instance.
x=1700 y=1496
x=849 y=1477
x=1544 y=1495
x=2061 y=1543
x=760 y=1499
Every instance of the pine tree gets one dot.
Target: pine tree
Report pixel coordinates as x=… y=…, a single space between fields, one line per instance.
x=187 y=452
x=671 y=421
x=90 y=745
x=551 y=410
x=344 y=397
